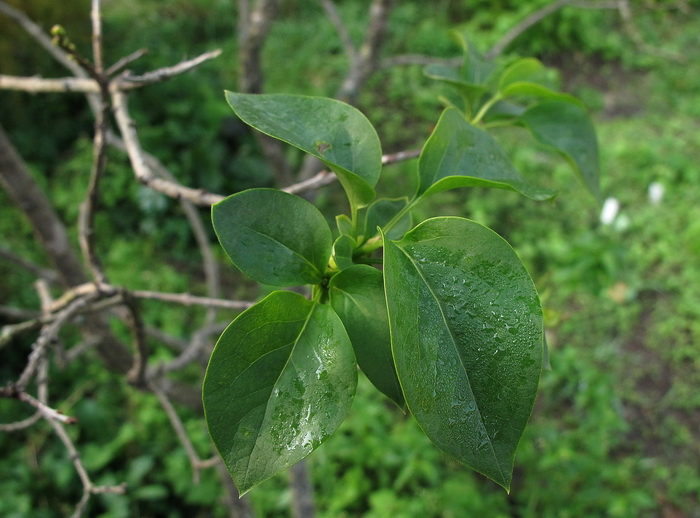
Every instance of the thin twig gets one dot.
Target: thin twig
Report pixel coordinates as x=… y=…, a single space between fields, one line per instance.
x=341 y=29
x=126 y=60
x=179 y=429
x=39 y=84
x=44 y=273
x=400 y=156
x=48 y=334
x=12 y=392
x=538 y=15
x=97 y=36
x=419 y=59
x=86 y=220
x=89 y=488
x=191 y=300
x=31 y=321
x=137 y=374
x=139 y=163
x=21 y=425
x=163 y=74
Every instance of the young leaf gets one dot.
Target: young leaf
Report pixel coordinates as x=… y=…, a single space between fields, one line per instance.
x=274 y=237
x=566 y=127
x=466 y=333
x=528 y=70
x=357 y=296
x=344 y=224
x=458 y=154
x=334 y=132
x=471 y=93
x=281 y=379
x=343 y=247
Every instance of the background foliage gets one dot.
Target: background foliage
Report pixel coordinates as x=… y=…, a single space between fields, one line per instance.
x=616 y=422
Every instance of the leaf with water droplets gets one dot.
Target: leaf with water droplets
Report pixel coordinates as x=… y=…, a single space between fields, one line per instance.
x=281 y=379
x=466 y=333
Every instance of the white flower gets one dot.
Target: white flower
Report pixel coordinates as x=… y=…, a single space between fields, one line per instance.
x=610 y=209
x=656 y=192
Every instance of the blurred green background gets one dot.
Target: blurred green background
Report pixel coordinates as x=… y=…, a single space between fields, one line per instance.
x=615 y=430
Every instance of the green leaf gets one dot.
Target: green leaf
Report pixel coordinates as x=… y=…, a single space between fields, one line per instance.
x=357 y=296
x=343 y=249
x=281 y=379
x=382 y=211
x=566 y=127
x=471 y=93
x=334 y=132
x=466 y=332
x=458 y=154
x=274 y=237
x=344 y=224
x=528 y=70
x=526 y=89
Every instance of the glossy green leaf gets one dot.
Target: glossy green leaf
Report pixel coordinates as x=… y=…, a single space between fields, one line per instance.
x=343 y=248
x=382 y=211
x=526 y=89
x=357 y=296
x=334 y=132
x=528 y=70
x=344 y=224
x=458 y=154
x=466 y=331
x=281 y=379
x=566 y=127
x=470 y=92
x=475 y=68
x=274 y=237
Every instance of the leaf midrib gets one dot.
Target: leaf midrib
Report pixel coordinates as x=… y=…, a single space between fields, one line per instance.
x=454 y=344
x=267 y=404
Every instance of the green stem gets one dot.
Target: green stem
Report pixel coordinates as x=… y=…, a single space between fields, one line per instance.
x=409 y=207
x=370 y=246
x=485 y=108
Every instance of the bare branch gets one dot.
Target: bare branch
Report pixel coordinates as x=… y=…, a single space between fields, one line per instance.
x=180 y=431
x=86 y=219
x=39 y=84
x=126 y=60
x=46 y=411
x=140 y=163
x=89 y=488
x=29 y=197
x=44 y=273
x=90 y=85
x=137 y=374
x=191 y=300
x=536 y=16
x=419 y=59
x=97 y=36
x=17 y=314
x=319 y=180
x=48 y=334
x=400 y=156
x=368 y=56
x=128 y=82
x=21 y=425
x=341 y=29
